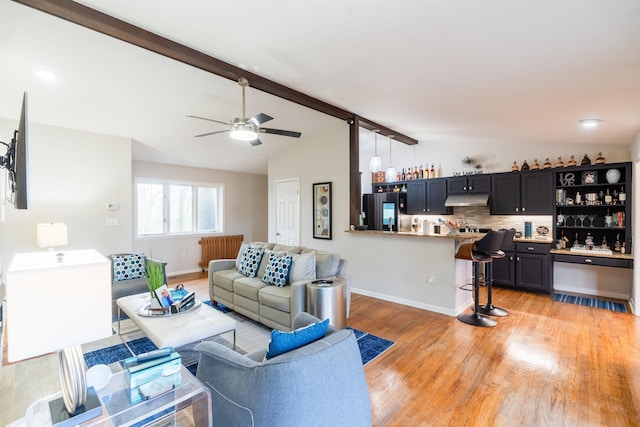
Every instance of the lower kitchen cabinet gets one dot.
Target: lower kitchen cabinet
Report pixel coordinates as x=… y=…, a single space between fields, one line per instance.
x=524 y=266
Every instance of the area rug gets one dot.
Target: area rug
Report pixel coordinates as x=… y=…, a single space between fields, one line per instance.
x=589 y=302
x=250 y=336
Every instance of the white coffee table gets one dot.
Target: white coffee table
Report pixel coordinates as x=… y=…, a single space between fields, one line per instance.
x=176 y=330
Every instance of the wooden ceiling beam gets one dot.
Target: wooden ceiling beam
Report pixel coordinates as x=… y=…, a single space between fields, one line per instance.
x=101 y=22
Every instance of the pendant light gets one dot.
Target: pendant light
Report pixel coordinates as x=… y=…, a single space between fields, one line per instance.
x=390 y=174
x=376 y=163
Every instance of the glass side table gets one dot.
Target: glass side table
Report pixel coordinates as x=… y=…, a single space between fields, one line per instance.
x=188 y=404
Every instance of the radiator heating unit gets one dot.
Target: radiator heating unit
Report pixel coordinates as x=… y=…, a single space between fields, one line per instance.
x=219 y=247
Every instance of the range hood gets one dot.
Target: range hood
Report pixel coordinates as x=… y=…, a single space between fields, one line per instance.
x=467 y=200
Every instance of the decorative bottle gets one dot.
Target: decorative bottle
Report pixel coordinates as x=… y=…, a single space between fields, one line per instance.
x=432 y=171
x=572 y=161
x=416 y=174
x=525 y=166
x=585 y=161
x=622 y=196
x=440 y=170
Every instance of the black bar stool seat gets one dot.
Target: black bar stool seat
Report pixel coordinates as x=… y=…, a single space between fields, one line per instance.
x=489 y=308
x=479 y=253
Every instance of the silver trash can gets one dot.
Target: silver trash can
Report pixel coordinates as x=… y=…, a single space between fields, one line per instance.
x=326 y=299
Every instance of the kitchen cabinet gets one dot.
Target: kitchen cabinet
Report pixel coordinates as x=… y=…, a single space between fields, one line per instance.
x=427 y=197
x=436 y=196
x=594 y=202
x=470 y=184
x=416 y=197
x=525 y=266
x=522 y=193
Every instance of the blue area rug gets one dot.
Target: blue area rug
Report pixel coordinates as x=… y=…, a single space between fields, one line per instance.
x=370 y=346
x=589 y=302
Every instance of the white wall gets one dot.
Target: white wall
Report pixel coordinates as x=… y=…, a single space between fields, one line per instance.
x=73 y=175
x=245 y=202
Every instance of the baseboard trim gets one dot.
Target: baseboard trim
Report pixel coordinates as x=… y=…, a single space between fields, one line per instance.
x=406 y=302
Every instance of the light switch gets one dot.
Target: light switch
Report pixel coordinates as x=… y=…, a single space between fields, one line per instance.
x=111 y=221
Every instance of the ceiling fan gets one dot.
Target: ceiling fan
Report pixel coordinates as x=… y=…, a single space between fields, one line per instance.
x=247 y=129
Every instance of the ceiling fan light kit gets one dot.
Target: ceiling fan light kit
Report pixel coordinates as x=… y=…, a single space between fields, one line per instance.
x=247 y=129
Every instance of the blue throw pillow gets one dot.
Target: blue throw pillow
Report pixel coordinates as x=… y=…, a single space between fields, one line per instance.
x=251 y=262
x=282 y=342
x=277 y=272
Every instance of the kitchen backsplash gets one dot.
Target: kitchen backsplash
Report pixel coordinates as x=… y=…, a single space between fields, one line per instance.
x=478 y=217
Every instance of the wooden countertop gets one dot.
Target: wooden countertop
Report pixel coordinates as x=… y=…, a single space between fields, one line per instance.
x=615 y=255
x=462 y=236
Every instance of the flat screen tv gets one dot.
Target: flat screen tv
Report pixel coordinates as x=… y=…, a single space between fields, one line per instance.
x=16 y=162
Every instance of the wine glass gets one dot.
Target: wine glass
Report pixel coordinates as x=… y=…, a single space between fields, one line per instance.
x=568 y=219
x=581 y=217
x=592 y=218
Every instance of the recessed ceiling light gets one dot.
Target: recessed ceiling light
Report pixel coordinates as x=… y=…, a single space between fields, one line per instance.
x=590 y=123
x=46 y=75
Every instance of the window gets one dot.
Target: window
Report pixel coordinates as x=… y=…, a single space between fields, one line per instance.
x=177 y=208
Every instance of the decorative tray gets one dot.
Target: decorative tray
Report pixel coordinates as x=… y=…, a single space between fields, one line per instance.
x=146 y=311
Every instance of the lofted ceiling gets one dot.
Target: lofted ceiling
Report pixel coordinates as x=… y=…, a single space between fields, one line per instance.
x=499 y=71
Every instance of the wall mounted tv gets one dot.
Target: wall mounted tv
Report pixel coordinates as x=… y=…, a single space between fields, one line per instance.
x=16 y=162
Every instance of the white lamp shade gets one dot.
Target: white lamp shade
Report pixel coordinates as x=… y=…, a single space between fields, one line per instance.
x=390 y=175
x=52 y=234
x=54 y=305
x=375 y=164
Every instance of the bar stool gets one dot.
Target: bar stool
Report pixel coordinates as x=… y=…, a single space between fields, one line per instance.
x=479 y=253
x=489 y=308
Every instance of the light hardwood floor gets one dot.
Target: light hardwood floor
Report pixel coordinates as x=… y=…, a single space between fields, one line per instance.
x=546 y=364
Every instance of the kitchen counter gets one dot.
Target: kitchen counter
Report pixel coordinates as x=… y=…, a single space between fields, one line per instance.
x=615 y=255
x=461 y=236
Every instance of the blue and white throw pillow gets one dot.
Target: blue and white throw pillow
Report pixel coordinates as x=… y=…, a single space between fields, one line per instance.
x=128 y=266
x=277 y=272
x=251 y=262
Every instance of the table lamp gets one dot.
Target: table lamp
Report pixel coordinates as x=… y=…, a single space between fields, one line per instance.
x=57 y=305
x=51 y=235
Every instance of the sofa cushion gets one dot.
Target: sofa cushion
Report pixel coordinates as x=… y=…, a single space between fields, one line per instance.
x=128 y=266
x=277 y=272
x=303 y=267
x=282 y=342
x=248 y=287
x=326 y=264
x=285 y=248
x=276 y=297
x=243 y=247
x=251 y=261
x=225 y=278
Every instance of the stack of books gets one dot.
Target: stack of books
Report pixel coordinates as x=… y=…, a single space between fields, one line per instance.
x=152 y=374
x=184 y=304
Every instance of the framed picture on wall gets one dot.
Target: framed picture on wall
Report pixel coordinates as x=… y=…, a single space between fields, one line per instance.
x=322 y=210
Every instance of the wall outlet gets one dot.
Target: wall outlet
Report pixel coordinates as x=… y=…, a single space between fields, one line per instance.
x=431 y=280
x=111 y=221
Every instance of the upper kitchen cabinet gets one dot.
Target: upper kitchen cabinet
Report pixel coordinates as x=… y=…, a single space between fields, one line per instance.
x=436 y=197
x=416 y=197
x=470 y=184
x=427 y=197
x=522 y=193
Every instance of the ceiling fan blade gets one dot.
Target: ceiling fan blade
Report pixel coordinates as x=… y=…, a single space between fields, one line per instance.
x=211 y=133
x=280 y=132
x=210 y=120
x=255 y=142
x=261 y=118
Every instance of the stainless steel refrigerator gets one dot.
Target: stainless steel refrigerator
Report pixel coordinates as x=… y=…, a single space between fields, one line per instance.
x=386 y=211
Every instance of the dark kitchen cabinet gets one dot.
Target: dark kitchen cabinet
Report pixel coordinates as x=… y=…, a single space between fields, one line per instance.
x=527 y=266
x=470 y=184
x=416 y=197
x=436 y=196
x=596 y=201
x=526 y=193
x=427 y=197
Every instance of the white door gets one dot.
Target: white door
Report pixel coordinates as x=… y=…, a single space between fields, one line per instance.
x=288 y=212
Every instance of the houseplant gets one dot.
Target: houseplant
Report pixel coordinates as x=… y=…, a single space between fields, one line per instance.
x=155 y=275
